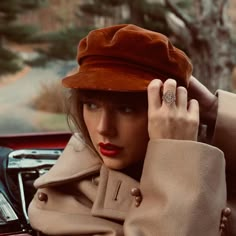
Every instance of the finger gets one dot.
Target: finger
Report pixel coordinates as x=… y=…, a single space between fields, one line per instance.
x=182 y=97
x=154 y=94
x=193 y=109
x=200 y=92
x=169 y=92
x=195 y=88
x=208 y=102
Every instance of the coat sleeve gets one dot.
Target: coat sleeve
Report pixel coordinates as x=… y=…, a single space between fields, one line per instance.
x=225 y=139
x=225 y=128
x=183 y=191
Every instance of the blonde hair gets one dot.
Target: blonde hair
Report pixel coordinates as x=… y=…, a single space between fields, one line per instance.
x=75 y=117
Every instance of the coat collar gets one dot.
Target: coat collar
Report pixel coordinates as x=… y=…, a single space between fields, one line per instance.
x=76 y=162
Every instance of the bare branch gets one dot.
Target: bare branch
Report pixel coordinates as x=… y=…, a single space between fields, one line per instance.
x=175 y=10
x=221 y=11
x=206 y=8
x=198 y=8
x=178 y=27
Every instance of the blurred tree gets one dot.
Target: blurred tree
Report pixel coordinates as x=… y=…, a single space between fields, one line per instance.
x=62 y=45
x=199 y=27
x=150 y=15
x=206 y=36
x=12 y=31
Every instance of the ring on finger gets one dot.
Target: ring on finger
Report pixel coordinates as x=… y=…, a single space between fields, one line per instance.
x=169 y=97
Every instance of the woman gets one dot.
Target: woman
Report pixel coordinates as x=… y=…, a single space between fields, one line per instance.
x=136 y=166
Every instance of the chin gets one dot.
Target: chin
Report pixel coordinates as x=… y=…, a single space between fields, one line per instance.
x=114 y=165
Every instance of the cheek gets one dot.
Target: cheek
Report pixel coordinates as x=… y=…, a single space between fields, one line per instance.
x=89 y=122
x=142 y=135
x=136 y=132
x=137 y=140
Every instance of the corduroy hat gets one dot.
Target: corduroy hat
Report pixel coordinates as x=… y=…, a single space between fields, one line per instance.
x=126 y=58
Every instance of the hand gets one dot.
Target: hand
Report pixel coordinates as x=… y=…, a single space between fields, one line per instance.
x=208 y=102
x=178 y=120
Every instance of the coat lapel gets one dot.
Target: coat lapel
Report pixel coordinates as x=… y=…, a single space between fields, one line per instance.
x=113 y=198
x=76 y=162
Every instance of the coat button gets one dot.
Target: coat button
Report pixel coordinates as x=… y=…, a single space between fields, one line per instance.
x=226 y=212
x=135 y=192
x=43 y=197
x=138 y=196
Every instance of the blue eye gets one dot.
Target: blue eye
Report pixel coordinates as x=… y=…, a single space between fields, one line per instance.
x=91 y=106
x=126 y=109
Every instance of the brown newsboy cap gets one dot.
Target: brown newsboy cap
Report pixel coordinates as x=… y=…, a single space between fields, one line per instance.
x=126 y=58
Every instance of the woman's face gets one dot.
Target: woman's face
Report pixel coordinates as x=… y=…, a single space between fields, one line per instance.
x=117 y=125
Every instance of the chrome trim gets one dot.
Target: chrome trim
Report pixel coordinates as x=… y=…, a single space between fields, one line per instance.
x=30 y=161
x=6 y=211
x=32 y=158
x=22 y=193
x=35 y=153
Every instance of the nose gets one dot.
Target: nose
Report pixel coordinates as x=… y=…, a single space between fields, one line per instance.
x=107 y=123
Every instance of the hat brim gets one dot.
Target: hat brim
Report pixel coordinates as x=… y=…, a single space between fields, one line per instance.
x=111 y=79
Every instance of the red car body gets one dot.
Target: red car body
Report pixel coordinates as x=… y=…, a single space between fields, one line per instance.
x=35 y=140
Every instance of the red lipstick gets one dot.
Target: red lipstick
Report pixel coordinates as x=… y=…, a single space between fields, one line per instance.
x=109 y=150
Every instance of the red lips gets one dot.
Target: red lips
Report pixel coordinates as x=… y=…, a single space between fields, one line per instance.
x=109 y=150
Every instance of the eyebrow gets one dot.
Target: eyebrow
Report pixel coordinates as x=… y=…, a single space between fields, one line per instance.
x=115 y=97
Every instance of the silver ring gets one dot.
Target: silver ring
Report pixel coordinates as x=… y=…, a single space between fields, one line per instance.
x=169 y=97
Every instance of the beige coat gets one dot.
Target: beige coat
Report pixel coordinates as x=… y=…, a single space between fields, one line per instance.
x=182 y=189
